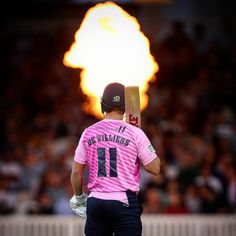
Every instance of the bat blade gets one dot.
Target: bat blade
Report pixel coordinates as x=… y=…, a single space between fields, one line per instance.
x=132 y=106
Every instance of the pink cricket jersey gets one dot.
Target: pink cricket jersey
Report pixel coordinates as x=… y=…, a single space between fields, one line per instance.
x=113 y=150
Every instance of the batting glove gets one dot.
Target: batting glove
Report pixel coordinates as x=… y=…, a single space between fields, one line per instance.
x=78 y=204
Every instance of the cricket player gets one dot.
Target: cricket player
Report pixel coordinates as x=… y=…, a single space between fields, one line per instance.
x=113 y=151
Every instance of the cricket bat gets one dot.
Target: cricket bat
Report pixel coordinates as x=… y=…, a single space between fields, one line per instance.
x=132 y=106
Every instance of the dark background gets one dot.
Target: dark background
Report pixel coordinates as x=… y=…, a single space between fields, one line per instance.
x=190 y=118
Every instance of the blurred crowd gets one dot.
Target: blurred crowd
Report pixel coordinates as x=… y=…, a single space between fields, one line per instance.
x=190 y=120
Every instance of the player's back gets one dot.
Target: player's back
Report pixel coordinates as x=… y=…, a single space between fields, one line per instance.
x=112 y=156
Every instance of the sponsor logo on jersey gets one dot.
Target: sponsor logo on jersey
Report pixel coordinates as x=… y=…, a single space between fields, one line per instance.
x=151 y=149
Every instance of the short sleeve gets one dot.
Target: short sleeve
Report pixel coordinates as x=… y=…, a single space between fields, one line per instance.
x=80 y=152
x=146 y=151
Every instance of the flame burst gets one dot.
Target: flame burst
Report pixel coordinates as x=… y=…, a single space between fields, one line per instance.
x=109 y=47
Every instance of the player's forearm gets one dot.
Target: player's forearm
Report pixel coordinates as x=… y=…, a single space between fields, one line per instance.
x=77 y=183
x=77 y=178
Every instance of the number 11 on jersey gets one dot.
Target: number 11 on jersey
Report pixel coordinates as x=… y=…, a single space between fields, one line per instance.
x=101 y=152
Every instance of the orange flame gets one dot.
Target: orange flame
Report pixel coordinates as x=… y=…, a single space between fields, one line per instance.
x=109 y=47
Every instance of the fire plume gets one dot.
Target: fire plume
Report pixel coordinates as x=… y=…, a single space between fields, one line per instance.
x=110 y=47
